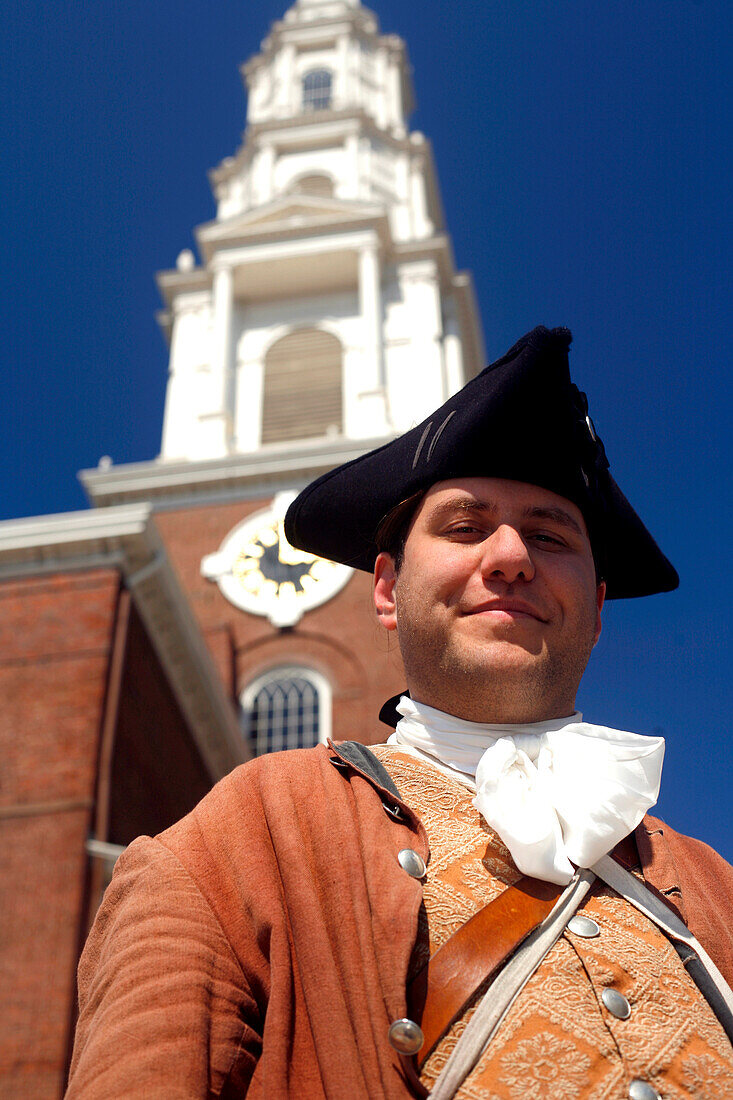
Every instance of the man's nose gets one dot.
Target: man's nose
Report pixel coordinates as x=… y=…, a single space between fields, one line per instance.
x=506 y=556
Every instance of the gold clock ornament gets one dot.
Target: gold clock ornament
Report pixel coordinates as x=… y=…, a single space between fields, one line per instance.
x=258 y=570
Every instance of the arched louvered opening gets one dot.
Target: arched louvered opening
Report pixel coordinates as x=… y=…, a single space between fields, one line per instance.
x=315 y=184
x=302 y=392
x=317 y=90
x=287 y=708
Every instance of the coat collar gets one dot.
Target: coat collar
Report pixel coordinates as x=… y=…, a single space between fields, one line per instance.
x=658 y=864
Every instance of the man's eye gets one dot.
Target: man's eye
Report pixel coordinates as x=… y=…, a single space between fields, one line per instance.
x=463 y=529
x=546 y=539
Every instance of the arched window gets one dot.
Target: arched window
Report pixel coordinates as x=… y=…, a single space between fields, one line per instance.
x=287 y=708
x=302 y=391
x=313 y=184
x=317 y=90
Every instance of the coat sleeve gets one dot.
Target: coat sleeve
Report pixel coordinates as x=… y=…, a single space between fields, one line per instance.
x=706 y=881
x=164 y=1008
x=696 y=881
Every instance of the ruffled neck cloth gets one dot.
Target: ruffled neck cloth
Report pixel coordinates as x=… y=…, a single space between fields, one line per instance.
x=558 y=793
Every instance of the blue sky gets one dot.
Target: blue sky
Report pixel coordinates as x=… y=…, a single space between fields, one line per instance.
x=585 y=158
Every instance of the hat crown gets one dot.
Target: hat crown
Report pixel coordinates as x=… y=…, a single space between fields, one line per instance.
x=522 y=419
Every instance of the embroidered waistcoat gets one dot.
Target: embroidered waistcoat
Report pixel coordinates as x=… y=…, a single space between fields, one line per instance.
x=558 y=1041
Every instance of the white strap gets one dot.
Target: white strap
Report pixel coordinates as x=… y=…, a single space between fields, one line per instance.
x=503 y=991
x=635 y=892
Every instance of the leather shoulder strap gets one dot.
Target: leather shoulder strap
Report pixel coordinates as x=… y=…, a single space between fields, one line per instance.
x=501 y=994
x=442 y=989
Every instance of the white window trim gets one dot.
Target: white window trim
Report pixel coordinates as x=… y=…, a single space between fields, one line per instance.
x=289 y=671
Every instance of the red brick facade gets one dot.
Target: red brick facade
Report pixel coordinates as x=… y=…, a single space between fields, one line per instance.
x=341 y=639
x=93 y=744
x=55 y=639
x=156 y=774
x=61 y=639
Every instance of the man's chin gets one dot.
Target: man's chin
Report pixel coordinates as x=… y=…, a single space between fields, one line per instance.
x=518 y=651
x=479 y=670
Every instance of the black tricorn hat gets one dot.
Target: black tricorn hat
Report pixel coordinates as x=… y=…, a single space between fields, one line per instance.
x=521 y=419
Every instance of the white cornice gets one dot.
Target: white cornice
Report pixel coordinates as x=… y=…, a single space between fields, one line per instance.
x=242 y=240
x=170 y=483
x=39 y=538
x=127 y=539
x=312 y=130
x=173 y=283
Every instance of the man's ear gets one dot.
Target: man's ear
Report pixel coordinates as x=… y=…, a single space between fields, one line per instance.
x=384 y=597
x=600 y=598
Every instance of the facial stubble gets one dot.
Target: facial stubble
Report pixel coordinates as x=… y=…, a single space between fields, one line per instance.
x=495 y=678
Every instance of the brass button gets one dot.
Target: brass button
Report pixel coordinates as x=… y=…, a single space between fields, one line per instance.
x=583 y=926
x=616 y=1004
x=642 y=1090
x=406 y=1036
x=412 y=862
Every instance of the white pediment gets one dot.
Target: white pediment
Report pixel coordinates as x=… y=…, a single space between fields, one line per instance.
x=289 y=212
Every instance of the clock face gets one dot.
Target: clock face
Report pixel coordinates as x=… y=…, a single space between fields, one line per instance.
x=258 y=570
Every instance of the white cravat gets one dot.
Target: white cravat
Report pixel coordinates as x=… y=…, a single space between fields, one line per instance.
x=558 y=793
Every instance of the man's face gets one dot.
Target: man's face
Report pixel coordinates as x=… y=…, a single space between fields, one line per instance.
x=495 y=604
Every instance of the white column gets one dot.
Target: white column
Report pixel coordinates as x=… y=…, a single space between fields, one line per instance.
x=174 y=399
x=372 y=398
x=288 y=94
x=183 y=398
x=393 y=87
x=343 y=92
x=265 y=173
x=401 y=213
x=250 y=386
x=353 y=166
x=422 y=225
x=370 y=304
x=222 y=339
x=420 y=286
x=453 y=353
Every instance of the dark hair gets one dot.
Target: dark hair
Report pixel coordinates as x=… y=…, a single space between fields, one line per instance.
x=391 y=534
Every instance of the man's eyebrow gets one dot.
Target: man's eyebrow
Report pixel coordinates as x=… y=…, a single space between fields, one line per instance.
x=555 y=515
x=467 y=506
x=460 y=504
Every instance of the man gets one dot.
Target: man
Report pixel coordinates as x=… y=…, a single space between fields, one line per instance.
x=275 y=942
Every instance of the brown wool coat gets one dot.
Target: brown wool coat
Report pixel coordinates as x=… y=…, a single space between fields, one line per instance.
x=262 y=942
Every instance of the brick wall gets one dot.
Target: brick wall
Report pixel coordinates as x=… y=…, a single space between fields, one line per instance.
x=55 y=637
x=58 y=640
x=157 y=774
x=341 y=638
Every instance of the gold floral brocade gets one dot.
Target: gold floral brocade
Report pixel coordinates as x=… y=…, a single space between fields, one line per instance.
x=558 y=1041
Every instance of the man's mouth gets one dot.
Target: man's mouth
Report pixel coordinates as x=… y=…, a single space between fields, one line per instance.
x=507 y=610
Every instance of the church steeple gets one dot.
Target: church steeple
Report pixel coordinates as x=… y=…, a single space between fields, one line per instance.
x=327 y=278
x=329 y=55
x=324 y=79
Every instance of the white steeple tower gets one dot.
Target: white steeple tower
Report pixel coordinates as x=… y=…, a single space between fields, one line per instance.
x=327 y=305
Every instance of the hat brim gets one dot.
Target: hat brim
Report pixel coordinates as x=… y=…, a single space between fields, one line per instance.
x=517 y=420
